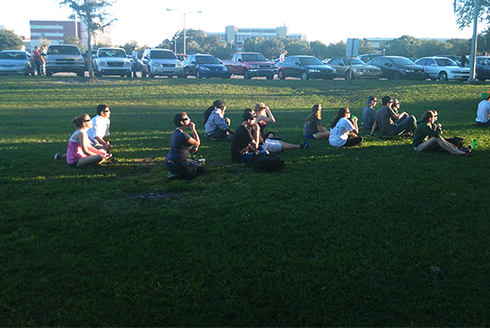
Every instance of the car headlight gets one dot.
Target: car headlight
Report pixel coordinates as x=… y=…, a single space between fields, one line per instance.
x=80 y=60
x=179 y=64
x=314 y=70
x=360 y=70
x=204 y=69
x=127 y=64
x=102 y=64
x=254 y=66
x=155 y=64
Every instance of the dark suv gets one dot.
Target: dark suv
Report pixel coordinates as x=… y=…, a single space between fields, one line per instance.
x=64 y=58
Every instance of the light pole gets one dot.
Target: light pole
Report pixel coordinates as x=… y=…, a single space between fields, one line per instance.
x=193 y=11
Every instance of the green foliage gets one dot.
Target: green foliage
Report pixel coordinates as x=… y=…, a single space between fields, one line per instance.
x=9 y=40
x=378 y=235
x=465 y=12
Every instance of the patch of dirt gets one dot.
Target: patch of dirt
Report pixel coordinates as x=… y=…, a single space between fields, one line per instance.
x=80 y=80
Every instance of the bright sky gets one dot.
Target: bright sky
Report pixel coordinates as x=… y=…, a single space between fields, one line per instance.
x=328 y=21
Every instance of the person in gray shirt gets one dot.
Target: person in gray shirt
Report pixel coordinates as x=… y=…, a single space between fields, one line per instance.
x=369 y=113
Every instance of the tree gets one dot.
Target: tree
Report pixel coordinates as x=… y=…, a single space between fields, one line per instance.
x=93 y=14
x=318 y=49
x=465 y=11
x=432 y=47
x=273 y=47
x=403 y=46
x=365 y=47
x=10 y=41
x=253 y=44
x=336 y=49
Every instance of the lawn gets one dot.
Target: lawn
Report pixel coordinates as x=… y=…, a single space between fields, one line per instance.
x=379 y=235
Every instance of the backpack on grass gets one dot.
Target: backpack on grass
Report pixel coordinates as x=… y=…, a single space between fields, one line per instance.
x=267 y=163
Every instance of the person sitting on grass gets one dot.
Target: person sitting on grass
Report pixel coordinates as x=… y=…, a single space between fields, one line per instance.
x=264 y=116
x=313 y=128
x=181 y=144
x=343 y=132
x=217 y=126
x=390 y=122
x=369 y=113
x=79 y=151
x=428 y=128
x=99 y=133
x=483 y=112
x=246 y=139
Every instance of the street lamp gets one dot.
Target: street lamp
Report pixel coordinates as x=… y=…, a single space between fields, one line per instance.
x=194 y=11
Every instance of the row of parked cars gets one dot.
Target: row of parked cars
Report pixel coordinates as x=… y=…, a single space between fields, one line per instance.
x=163 y=62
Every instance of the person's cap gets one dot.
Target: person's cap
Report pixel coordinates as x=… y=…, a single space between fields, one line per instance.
x=485 y=95
x=371 y=98
x=249 y=115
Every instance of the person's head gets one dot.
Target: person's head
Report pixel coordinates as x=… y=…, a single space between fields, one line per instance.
x=372 y=101
x=344 y=112
x=395 y=103
x=249 y=115
x=103 y=110
x=219 y=103
x=259 y=107
x=386 y=100
x=181 y=119
x=135 y=48
x=316 y=113
x=36 y=48
x=82 y=121
x=285 y=52
x=485 y=95
x=429 y=116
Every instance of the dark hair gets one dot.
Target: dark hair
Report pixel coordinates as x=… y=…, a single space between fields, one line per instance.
x=78 y=121
x=314 y=114
x=178 y=118
x=247 y=114
x=219 y=103
x=427 y=115
x=386 y=100
x=340 y=114
x=101 y=108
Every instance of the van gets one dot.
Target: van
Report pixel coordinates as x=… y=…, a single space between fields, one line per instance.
x=65 y=58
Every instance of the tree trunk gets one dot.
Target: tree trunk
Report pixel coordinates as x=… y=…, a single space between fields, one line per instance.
x=89 y=46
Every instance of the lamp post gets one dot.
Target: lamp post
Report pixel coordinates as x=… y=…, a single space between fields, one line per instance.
x=193 y=11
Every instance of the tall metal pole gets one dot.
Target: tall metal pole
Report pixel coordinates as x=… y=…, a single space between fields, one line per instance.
x=194 y=11
x=474 y=42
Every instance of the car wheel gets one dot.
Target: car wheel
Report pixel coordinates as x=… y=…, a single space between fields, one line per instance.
x=246 y=75
x=442 y=76
x=270 y=77
x=81 y=74
x=281 y=75
x=198 y=75
x=397 y=76
x=150 y=74
x=304 y=76
x=48 y=73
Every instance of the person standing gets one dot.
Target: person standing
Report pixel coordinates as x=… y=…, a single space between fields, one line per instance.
x=369 y=113
x=43 y=58
x=283 y=56
x=483 y=112
x=135 y=65
x=38 y=60
x=343 y=132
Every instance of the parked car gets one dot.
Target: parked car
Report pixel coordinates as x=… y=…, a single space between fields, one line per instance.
x=396 y=67
x=249 y=65
x=482 y=67
x=204 y=66
x=161 y=62
x=443 y=68
x=367 y=57
x=453 y=57
x=360 y=70
x=14 y=62
x=305 y=67
x=64 y=58
x=112 y=61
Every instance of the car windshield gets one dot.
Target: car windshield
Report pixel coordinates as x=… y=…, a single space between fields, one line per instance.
x=402 y=61
x=162 y=55
x=13 y=55
x=310 y=61
x=117 y=53
x=63 y=50
x=206 y=60
x=445 y=62
x=253 y=57
x=355 y=61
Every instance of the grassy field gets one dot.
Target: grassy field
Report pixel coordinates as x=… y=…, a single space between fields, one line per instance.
x=374 y=236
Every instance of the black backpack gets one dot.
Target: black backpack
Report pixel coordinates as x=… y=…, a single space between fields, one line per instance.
x=267 y=163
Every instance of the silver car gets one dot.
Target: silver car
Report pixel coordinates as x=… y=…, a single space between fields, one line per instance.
x=16 y=62
x=161 y=62
x=360 y=70
x=443 y=68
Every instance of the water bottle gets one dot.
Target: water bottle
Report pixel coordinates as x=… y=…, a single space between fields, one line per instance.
x=474 y=144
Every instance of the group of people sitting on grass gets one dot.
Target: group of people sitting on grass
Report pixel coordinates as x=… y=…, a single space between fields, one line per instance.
x=89 y=144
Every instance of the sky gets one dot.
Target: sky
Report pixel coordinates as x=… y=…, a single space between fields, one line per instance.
x=149 y=23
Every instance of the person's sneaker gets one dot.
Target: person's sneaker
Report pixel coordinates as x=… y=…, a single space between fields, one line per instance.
x=418 y=148
x=466 y=150
x=304 y=145
x=57 y=156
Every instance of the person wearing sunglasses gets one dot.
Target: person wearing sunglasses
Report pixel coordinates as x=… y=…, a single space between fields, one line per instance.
x=343 y=132
x=80 y=151
x=181 y=145
x=428 y=136
x=99 y=133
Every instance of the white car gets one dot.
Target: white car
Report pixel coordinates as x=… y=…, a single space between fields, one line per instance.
x=161 y=62
x=112 y=61
x=443 y=68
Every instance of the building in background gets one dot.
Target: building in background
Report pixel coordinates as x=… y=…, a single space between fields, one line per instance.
x=58 y=31
x=236 y=36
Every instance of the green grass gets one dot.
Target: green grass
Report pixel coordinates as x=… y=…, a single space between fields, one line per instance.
x=374 y=236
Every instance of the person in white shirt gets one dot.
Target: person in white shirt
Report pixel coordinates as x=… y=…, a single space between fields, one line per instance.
x=135 y=65
x=483 y=113
x=283 y=56
x=343 y=132
x=99 y=132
